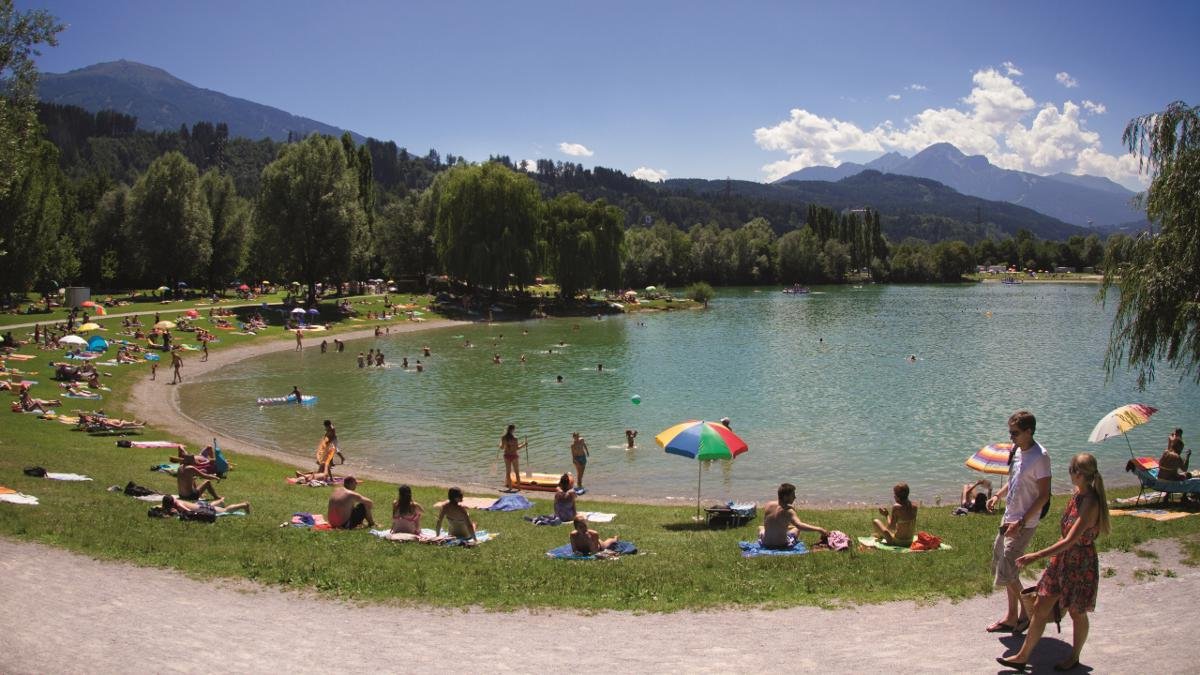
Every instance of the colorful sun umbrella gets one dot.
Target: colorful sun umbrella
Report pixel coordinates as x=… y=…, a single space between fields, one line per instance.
x=192 y=313
x=701 y=441
x=88 y=326
x=99 y=310
x=165 y=325
x=88 y=303
x=243 y=287
x=992 y=458
x=1121 y=420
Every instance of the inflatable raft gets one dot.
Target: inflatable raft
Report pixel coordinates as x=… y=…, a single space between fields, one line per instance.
x=306 y=399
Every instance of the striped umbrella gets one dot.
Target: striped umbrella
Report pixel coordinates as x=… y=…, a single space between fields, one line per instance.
x=1121 y=420
x=991 y=458
x=701 y=441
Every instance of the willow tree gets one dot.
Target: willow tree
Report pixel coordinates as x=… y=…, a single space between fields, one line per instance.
x=309 y=211
x=487 y=225
x=585 y=241
x=1158 y=312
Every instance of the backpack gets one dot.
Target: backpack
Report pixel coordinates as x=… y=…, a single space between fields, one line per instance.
x=134 y=490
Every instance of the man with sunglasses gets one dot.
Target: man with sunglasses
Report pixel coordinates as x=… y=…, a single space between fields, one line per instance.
x=1027 y=491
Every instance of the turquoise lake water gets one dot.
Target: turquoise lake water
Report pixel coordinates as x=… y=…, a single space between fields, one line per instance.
x=819 y=386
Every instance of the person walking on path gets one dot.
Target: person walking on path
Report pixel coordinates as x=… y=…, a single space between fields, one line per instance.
x=1027 y=491
x=176 y=364
x=299 y=340
x=579 y=457
x=1072 y=578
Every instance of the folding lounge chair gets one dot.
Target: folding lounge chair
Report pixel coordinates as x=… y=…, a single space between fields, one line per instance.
x=1146 y=470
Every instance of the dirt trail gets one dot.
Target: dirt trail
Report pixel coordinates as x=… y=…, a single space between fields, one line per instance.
x=63 y=613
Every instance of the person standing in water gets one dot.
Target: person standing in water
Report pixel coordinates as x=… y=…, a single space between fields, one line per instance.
x=579 y=456
x=511 y=447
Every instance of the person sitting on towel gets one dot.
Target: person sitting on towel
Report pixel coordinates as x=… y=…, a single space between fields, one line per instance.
x=564 y=500
x=406 y=513
x=458 y=521
x=588 y=542
x=348 y=509
x=185 y=480
x=781 y=526
x=901 y=520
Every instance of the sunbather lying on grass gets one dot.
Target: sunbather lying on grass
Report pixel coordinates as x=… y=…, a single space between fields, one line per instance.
x=586 y=541
x=174 y=506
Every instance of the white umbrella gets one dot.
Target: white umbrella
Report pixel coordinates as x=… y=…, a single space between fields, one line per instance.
x=298 y=310
x=72 y=340
x=1121 y=420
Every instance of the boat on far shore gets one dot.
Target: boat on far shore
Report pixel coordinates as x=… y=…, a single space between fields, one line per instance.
x=1011 y=281
x=797 y=289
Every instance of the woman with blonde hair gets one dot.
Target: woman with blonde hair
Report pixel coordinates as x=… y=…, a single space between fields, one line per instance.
x=1073 y=575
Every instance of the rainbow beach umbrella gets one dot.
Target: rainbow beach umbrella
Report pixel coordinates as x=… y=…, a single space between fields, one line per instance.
x=1121 y=420
x=991 y=458
x=701 y=441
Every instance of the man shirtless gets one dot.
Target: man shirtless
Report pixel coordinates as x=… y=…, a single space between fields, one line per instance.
x=185 y=480
x=781 y=525
x=587 y=541
x=348 y=509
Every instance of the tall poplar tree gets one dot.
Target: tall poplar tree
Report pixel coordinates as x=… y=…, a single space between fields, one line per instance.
x=169 y=222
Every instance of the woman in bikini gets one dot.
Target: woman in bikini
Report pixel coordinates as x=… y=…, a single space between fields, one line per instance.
x=458 y=521
x=564 y=500
x=511 y=447
x=406 y=514
x=901 y=522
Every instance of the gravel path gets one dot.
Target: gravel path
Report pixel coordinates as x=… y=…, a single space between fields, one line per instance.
x=65 y=613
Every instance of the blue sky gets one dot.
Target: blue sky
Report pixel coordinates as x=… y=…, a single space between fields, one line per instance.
x=679 y=89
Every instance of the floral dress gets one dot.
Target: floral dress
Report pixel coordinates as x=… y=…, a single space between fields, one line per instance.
x=1074 y=574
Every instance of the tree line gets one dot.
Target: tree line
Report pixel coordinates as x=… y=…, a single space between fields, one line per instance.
x=107 y=205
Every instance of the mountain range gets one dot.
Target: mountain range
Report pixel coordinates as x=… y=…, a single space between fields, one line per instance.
x=1087 y=201
x=163 y=102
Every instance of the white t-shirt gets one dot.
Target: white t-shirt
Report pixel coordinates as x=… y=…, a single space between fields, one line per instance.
x=1029 y=466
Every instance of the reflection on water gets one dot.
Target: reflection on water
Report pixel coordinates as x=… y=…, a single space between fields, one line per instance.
x=819 y=386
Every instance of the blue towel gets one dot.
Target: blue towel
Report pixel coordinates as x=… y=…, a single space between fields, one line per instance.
x=510 y=503
x=751 y=549
x=565 y=552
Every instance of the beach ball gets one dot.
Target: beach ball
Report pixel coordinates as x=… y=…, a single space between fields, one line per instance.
x=636 y=400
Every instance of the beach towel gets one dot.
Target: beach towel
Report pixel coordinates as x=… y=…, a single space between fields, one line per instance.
x=470 y=502
x=90 y=397
x=337 y=480
x=66 y=476
x=510 y=503
x=598 y=517
x=544 y=520
x=20 y=357
x=618 y=549
x=13 y=497
x=314 y=521
x=753 y=549
x=1152 y=514
x=428 y=536
x=151 y=444
x=167 y=468
x=872 y=542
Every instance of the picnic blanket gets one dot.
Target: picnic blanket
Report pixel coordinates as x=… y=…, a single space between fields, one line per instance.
x=428 y=536
x=872 y=542
x=510 y=503
x=13 y=497
x=598 y=517
x=753 y=549
x=1152 y=514
x=52 y=475
x=169 y=468
x=618 y=549
x=337 y=480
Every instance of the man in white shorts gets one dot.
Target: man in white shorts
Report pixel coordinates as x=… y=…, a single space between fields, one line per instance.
x=1027 y=491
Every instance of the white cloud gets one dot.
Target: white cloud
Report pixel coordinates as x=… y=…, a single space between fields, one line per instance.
x=529 y=165
x=648 y=174
x=574 y=149
x=1066 y=80
x=917 y=87
x=997 y=119
x=893 y=97
x=1011 y=69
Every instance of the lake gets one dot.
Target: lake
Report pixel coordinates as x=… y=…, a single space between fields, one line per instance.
x=819 y=386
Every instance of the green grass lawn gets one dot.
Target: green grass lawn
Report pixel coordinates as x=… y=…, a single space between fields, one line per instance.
x=683 y=567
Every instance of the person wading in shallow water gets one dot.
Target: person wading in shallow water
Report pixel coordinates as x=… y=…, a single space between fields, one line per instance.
x=511 y=447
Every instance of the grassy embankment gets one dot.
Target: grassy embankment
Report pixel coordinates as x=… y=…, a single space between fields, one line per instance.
x=684 y=568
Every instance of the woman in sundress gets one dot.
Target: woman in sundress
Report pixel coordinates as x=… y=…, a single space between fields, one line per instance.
x=1073 y=575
